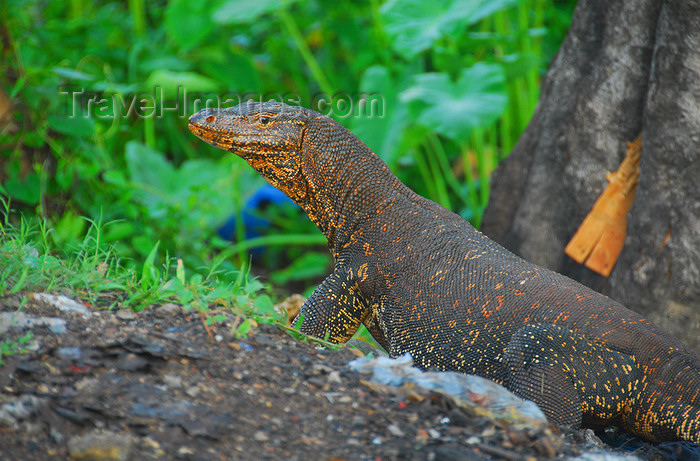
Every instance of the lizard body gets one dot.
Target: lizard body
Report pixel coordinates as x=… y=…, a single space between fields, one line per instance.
x=423 y=280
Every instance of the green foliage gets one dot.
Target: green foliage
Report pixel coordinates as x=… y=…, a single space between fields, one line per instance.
x=415 y=26
x=9 y=347
x=454 y=109
x=94 y=275
x=99 y=95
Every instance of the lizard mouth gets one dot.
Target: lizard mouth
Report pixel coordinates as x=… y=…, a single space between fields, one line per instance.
x=227 y=141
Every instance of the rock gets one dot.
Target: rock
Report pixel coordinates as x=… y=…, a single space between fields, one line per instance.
x=167 y=310
x=260 y=436
x=23 y=321
x=126 y=314
x=172 y=381
x=6 y=419
x=69 y=353
x=471 y=393
x=63 y=303
x=101 y=446
x=334 y=378
x=395 y=430
x=132 y=362
x=22 y=408
x=185 y=452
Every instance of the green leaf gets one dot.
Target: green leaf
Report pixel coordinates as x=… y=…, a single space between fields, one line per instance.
x=26 y=189
x=73 y=126
x=264 y=306
x=149 y=273
x=170 y=81
x=414 y=25
x=152 y=175
x=69 y=228
x=244 y=11
x=382 y=131
x=453 y=109
x=244 y=328
x=164 y=189
x=236 y=71
x=188 y=23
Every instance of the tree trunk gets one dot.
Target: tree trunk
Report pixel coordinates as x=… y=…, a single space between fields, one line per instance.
x=626 y=66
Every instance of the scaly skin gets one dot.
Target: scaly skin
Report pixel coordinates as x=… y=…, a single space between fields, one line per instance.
x=424 y=281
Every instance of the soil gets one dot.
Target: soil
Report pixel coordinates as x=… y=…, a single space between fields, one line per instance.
x=156 y=385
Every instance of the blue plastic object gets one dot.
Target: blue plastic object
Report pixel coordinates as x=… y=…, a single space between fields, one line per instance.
x=255 y=226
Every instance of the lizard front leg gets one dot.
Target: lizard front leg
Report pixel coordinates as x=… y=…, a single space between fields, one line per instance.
x=335 y=309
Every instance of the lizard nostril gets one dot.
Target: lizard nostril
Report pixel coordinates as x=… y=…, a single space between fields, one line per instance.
x=210 y=119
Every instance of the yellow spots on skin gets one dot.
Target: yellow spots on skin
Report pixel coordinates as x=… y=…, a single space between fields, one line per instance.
x=362 y=272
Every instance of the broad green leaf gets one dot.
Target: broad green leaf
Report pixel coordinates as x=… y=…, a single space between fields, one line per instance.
x=27 y=190
x=152 y=174
x=72 y=125
x=162 y=187
x=69 y=228
x=188 y=22
x=453 y=109
x=236 y=71
x=170 y=81
x=382 y=131
x=244 y=11
x=414 y=25
x=264 y=306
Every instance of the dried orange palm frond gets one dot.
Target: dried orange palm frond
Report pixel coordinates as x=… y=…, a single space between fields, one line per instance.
x=600 y=237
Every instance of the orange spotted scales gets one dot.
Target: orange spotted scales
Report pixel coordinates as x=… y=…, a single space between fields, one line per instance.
x=424 y=281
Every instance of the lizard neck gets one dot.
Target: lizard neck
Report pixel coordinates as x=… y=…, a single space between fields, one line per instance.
x=346 y=182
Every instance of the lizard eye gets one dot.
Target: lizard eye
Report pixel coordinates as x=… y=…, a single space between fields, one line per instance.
x=264 y=120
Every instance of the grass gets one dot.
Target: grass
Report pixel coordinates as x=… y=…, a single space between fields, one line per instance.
x=11 y=346
x=95 y=275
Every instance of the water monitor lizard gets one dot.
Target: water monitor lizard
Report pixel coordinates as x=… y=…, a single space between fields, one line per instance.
x=424 y=281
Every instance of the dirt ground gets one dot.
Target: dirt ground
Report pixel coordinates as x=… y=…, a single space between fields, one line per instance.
x=154 y=385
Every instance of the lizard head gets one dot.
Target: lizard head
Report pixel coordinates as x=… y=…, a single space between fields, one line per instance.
x=310 y=157
x=267 y=135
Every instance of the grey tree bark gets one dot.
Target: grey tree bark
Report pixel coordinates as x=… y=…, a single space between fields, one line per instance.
x=626 y=66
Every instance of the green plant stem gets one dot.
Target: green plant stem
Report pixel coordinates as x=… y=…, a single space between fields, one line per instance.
x=500 y=24
x=149 y=132
x=137 y=10
x=383 y=47
x=482 y=162
x=305 y=52
x=241 y=250
x=447 y=173
x=437 y=176
x=423 y=170
x=76 y=8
